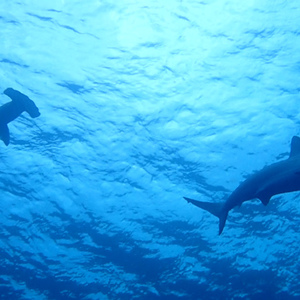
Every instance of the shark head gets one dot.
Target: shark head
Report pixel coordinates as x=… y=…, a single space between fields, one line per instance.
x=27 y=104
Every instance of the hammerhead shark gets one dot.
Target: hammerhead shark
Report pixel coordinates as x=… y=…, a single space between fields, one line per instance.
x=278 y=178
x=11 y=110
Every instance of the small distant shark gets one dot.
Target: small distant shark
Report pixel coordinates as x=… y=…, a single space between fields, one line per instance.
x=278 y=178
x=11 y=110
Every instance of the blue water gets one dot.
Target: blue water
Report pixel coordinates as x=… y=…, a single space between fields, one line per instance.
x=142 y=103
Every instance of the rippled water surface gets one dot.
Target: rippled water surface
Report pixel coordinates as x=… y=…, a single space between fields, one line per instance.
x=142 y=103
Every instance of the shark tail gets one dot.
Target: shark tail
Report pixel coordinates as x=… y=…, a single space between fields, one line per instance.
x=214 y=208
x=4 y=134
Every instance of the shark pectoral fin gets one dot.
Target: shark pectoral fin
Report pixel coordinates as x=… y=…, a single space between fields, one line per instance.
x=265 y=199
x=213 y=208
x=4 y=134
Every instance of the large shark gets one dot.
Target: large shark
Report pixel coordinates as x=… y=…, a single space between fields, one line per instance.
x=278 y=178
x=11 y=110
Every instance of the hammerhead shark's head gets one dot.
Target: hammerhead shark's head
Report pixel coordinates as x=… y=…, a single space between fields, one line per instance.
x=13 y=109
x=278 y=178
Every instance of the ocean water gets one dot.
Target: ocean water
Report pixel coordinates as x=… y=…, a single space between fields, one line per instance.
x=142 y=103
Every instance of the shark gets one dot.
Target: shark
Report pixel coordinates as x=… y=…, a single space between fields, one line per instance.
x=13 y=109
x=278 y=178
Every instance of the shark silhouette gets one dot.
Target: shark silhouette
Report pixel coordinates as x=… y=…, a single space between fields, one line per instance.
x=278 y=178
x=11 y=110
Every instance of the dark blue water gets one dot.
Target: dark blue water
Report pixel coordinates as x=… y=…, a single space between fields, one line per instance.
x=142 y=103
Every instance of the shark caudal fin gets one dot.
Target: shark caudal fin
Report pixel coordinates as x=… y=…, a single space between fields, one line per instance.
x=214 y=208
x=4 y=134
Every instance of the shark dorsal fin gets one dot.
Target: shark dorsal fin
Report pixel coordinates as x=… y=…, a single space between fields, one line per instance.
x=295 y=146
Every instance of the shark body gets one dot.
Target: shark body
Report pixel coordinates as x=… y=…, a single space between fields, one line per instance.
x=11 y=110
x=278 y=178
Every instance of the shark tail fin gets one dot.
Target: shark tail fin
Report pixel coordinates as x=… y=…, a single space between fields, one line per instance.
x=4 y=134
x=215 y=209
